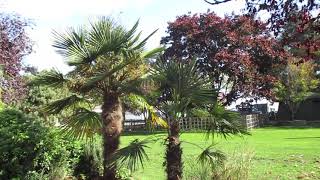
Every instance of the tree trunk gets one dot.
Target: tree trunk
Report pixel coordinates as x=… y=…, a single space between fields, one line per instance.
x=292 y=116
x=292 y=111
x=112 y=118
x=174 y=153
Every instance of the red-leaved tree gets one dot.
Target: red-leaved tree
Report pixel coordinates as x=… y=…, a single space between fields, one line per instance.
x=14 y=45
x=295 y=22
x=237 y=52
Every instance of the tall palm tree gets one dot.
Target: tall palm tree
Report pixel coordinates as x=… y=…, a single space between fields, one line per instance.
x=107 y=62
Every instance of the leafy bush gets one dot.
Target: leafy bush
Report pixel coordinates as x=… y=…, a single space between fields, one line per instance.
x=89 y=164
x=29 y=149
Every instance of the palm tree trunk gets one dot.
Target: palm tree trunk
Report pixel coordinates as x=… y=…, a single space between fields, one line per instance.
x=174 y=153
x=112 y=118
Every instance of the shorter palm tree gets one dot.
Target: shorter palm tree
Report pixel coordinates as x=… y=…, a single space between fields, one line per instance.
x=181 y=85
x=182 y=88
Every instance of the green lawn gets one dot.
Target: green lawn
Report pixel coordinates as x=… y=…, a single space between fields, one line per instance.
x=279 y=153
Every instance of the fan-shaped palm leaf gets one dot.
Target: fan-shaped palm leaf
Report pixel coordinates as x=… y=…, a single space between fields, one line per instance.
x=83 y=123
x=52 y=78
x=132 y=155
x=62 y=104
x=224 y=122
x=182 y=84
x=211 y=156
x=142 y=104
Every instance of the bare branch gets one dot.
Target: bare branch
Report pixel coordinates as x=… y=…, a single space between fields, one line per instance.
x=215 y=2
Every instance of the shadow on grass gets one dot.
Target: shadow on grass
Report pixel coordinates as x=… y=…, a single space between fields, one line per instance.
x=148 y=132
x=303 y=138
x=291 y=127
x=142 y=132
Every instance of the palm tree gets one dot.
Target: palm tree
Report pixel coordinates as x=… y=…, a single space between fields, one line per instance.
x=183 y=89
x=181 y=85
x=107 y=62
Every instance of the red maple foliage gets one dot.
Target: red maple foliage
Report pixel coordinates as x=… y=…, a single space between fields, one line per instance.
x=295 y=22
x=301 y=35
x=237 y=52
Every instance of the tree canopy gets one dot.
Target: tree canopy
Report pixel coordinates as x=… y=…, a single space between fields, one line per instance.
x=14 y=45
x=237 y=52
x=296 y=83
x=295 y=21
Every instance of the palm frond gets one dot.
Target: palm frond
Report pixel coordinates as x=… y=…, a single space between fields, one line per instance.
x=83 y=123
x=133 y=155
x=141 y=103
x=144 y=41
x=130 y=34
x=211 y=156
x=182 y=84
x=52 y=78
x=135 y=39
x=73 y=46
x=152 y=53
x=62 y=104
x=106 y=37
x=224 y=122
x=133 y=86
x=91 y=83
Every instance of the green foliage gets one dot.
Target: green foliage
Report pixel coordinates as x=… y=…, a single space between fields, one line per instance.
x=2 y=105
x=132 y=155
x=140 y=104
x=64 y=103
x=296 y=83
x=236 y=167
x=88 y=121
x=52 y=78
x=28 y=148
x=89 y=164
x=38 y=97
x=211 y=156
x=181 y=85
x=224 y=122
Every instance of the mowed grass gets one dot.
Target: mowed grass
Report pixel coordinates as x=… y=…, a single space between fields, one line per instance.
x=279 y=153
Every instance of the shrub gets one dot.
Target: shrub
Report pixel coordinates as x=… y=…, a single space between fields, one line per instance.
x=89 y=164
x=30 y=149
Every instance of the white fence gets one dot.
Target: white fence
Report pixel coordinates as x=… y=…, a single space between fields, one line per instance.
x=193 y=123
x=254 y=120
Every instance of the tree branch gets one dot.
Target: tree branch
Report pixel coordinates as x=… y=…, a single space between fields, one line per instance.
x=215 y=2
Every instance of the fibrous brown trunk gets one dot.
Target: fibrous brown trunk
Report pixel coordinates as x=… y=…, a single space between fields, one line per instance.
x=174 y=153
x=112 y=118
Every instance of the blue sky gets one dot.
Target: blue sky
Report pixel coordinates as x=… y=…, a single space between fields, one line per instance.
x=49 y=15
